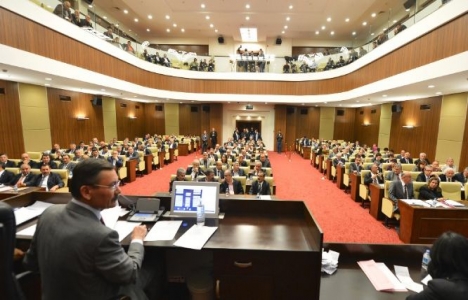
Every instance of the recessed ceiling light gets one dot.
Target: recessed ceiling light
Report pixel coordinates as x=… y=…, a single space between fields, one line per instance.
x=384 y=96
x=202 y=5
x=373 y=15
x=125 y=11
x=147 y=30
x=48 y=79
x=439 y=93
x=288 y=18
x=182 y=29
x=346 y=20
x=207 y=17
x=364 y=23
x=167 y=17
x=323 y=27
x=136 y=20
x=325 y=102
x=247 y=18
x=357 y=101
x=90 y=6
x=431 y=86
x=407 y=9
x=317 y=32
x=369 y=103
x=105 y=18
x=216 y=30
x=247 y=6
x=328 y=19
x=211 y=25
x=285 y=26
x=383 y=29
x=174 y=25
x=130 y=30
x=290 y=7
x=282 y=32
x=116 y=25
x=332 y=33
x=354 y=32
x=150 y=17
x=47 y=84
x=168 y=30
x=103 y=90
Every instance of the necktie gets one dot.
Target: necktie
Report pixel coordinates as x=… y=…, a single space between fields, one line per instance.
x=376 y=181
x=260 y=187
x=21 y=179
x=406 y=192
x=450 y=180
x=42 y=181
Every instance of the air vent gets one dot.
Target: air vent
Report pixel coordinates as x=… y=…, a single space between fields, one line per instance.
x=194 y=109
x=64 y=98
x=340 y=112
x=425 y=107
x=361 y=112
x=249 y=107
x=304 y=111
x=123 y=105
x=137 y=106
x=290 y=110
x=206 y=108
x=158 y=108
x=2 y=91
x=373 y=111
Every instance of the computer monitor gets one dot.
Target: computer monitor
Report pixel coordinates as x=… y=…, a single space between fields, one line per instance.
x=186 y=195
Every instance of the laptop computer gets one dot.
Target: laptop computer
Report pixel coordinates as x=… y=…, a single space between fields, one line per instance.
x=147 y=210
x=186 y=195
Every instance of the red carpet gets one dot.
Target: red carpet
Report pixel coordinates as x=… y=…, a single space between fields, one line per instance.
x=342 y=220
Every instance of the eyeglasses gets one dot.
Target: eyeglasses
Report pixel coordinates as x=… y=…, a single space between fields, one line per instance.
x=113 y=186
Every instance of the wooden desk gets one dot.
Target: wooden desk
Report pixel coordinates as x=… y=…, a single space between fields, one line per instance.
x=162 y=155
x=171 y=155
x=420 y=225
x=329 y=167
x=376 y=195
x=183 y=149
x=314 y=157
x=350 y=282
x=148 y=163
x=320 y=166
x=131 y=169
x=355 y=182
x=280 y=239
x=339 y=177
x=21 y=191
x=306 y=152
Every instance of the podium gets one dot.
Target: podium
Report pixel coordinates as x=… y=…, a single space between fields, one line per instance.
x=148 y=163
x=131 y=169
x=171 y=155
x=161 y=159
x=376 y=193
x=355 y=182
x=339 y=177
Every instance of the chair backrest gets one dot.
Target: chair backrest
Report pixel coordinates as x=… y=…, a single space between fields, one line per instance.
x=451 y=190
x=363 y=174
x=8 y=285
x=35 y=155
x=13 y=170
x=387 y=187
x=267 y=171
x=63 y=173
x=346 y=167
x=414 y=175
x=243 y=181
x=407 y=167
x=416 y=186
x=366 y=166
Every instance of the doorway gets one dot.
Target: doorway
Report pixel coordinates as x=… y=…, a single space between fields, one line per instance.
x=249 y=124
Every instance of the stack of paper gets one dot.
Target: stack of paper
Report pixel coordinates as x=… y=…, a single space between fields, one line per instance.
x=330 y=261
x=27 y=213
x=381 y=277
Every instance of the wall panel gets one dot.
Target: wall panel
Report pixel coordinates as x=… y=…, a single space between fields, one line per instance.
x=154 y=119
x=130 y=118
x=109 y=119
x=344 y=125
x=216 y=120
x=190 y=119
x=11 y=137
x=367 y=124
x=464 y=148
x=280 y=124
x=385 y=125
x=171 y=118
x=327 y=122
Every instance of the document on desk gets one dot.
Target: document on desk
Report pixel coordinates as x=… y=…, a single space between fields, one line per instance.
x=110 y=216
x=30 y=212
x=265 y=197
x=416 y=202
x=196 y=237
x=28 y=231
x=381 y=277
x=402 y=273
x=5 y=188
x=163 y=231
x=124 y=228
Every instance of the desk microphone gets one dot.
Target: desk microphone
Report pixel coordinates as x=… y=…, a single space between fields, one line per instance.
x=128 y=201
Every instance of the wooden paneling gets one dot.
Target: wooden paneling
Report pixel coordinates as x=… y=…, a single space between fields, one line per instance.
x=308 y=121
x=366 y=125
x=64 y=127
x=290 y=132
x=24 y=34
x=11 y=137
x=190 y=119
x=344 y=124
x=421 y=138
x=127 y=124
x=216 y=120
x=154 y=119
x=464 y=151
x=280 y=123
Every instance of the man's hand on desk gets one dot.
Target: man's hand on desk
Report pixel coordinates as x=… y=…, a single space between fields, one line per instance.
x=139 y=232
x=18 y=254
x=54 y=188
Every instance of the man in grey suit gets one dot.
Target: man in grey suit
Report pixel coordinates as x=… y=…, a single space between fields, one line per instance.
x=401 y=189
x=77 y=256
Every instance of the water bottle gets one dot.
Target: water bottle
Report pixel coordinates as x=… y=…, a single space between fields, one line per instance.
x=425 y=262
x=227 y=191
x=15 y=188
x=200 y=214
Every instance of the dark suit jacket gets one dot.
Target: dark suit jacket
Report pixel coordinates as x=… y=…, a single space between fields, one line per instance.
x=52 y=165
x=88 y=261
x=455 y=288
x=241 y=172
x=135 y=156
x=460 y=177
x=427 y=194
x=368 y=179
x=396 y=191
x=9 y=164
x=221 y=175
x=6 y=177
x=236 y=184
x=199 y=173
x=118 y=162
x=266 y=164
x=421 y=177
x=213 y=138
x=406 y=160
x=265 y=188
x=354 y=167
x=70 y=166
x=29 y=177
x=443 y=178
x=31 y=163
x=335 y=161
x=53 y=180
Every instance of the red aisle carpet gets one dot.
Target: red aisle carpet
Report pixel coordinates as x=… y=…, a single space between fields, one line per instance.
x=341 y=219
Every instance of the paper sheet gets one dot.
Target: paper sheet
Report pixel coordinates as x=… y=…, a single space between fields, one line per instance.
x=30 y=212
x=163 y=231
x=195 y=237
x=381 y=277
x=402 y=273
x=124 y=228
x=426 y=279
x=5 y=188
x=265 y=197
x=416 y=202
x=110 y=216
x=28 y=231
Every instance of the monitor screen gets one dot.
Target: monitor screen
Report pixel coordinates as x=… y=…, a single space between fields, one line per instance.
x=186 y=195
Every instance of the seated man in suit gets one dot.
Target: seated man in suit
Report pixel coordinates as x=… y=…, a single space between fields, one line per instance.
x=395 y=174
x=25 y=159
x=115 y=160
x=21 y=179
x=230 y=186
x=338 y=160
x=132 y=154
x=180 y=176
x=236 y=170
x=406 y=159
x=401 y=189
x=46 y=161
x=72 y=149
x=88 y=261
x=462 y=176
x=425 y=175
x=205 y=161
x=242 y=162
x=5 y=176
x=195 y=170
x=50 y=181
x=209 y=176
x=448 y=176
x=95 y=154
x=5 y=162
x=78 y=155
x=257 y=169
x=356 y=166
x=67 y=164
x=374 y=177
x=422 y=157
x=265 y=162
x=218 y=170
x=260 y=186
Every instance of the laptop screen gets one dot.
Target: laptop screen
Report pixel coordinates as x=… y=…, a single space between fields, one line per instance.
x=186 y=195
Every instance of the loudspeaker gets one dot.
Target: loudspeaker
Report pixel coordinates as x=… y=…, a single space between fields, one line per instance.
x=409 y=3
x=89 y=1
x=206 y=108
x=304 y=111
x=221 y=40
x=290 y=110
x=340 y=112
x=97 y=101
x=278 y=41
x=158 y=108
x=396 y=108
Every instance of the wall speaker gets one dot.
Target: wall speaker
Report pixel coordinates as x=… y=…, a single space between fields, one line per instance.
x=304 y=111
x=206 y=108
x=408 y=4
x=221 y=40
x=396 y=108
x=194 y=109
x=340 y=112
x=97 y=101
x=290 y=110
x=278 y=41
x=158 y=108
x=2 y=91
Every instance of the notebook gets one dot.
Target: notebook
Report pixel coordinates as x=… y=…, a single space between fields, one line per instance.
x=186 y=195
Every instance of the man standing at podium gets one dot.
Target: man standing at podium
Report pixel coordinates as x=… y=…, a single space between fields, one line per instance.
x=78 y=257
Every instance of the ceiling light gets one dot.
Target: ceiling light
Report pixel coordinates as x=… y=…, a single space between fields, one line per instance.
x=168 y=30
x=90 y=6
x=285 y=26
x=357 y=101
x=328 y=19
x=105 y=18
x=48 y=79
x=394 y=21
x=130 y=30
x=372 y=33
x=247 y=18
x=47 y=84
x=346 y=20
x=354 y=32
x=373 y=15
x=325 y=102
x=216 y=30
x=364 y=23
x=332 y=33
x=211 y=25
x=202 y=5
x=407 y=9
x=182 y=29
x=174 y=25
x=282 y=32
x=116 y=25
x=207 y=17
x=136 y=20
x=431 y=86
x=103 y=90
x=125 y=11
x=147 y=30
x=167 y=17
x=439 y=93
x=248 y=34
x=150 y=17
x=384 y=96
x=323 y=27
x=317 y=32
x=288 y=18
x=290 y=7
x=247 y=6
